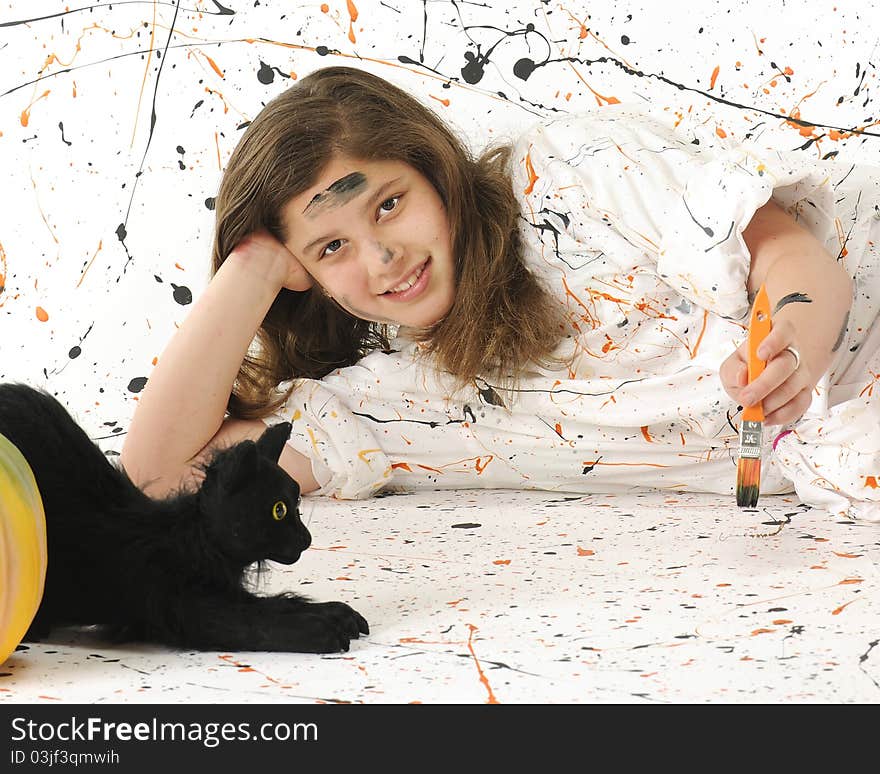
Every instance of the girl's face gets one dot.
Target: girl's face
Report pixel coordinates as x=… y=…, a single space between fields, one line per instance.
x=375 y=236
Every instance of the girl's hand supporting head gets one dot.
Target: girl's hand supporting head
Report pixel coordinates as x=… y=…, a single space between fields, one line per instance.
x=263 y=253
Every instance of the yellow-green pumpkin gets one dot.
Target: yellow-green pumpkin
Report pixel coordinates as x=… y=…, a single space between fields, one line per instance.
x=22 y=547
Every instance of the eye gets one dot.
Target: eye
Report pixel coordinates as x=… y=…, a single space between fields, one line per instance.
x=279 y=510
x=389 y=204
x=332 y=247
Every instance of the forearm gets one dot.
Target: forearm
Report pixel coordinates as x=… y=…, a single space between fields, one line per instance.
x=807 y=287
x=182 y=407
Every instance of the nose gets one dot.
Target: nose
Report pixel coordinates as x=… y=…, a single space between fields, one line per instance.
x=380 y=257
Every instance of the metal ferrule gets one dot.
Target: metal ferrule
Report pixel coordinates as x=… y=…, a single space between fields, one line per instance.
x=750 y=437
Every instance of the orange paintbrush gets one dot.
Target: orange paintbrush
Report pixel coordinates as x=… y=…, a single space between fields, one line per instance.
x=751 y=430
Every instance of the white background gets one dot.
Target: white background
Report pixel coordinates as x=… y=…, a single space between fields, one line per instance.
x=78 y=157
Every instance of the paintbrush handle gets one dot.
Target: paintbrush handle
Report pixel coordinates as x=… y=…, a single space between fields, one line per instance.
x=760 y=325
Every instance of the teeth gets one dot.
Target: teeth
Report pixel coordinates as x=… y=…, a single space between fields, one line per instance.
x=408 y=283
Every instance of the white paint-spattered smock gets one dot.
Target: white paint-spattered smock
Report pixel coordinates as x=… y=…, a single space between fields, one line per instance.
x=637 y=230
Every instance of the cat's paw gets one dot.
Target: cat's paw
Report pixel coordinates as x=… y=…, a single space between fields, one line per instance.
x=328 y=627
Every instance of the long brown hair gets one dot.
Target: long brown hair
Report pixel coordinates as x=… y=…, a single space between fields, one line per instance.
x=501 y=318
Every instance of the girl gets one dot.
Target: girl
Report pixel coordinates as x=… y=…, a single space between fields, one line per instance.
x=566 y=313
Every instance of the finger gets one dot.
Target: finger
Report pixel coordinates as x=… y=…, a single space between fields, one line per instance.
x=781 y=336
x=297 y=276
x=791 y=411
x=783 y=395
x=778 y=370
x=734 y=373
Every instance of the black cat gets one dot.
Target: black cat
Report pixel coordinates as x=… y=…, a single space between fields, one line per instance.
x=170 y=571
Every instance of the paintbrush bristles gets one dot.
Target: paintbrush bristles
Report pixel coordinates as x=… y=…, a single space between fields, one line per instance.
x=748 y=481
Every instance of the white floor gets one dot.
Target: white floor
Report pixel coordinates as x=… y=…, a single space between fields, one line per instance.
x=517 y=597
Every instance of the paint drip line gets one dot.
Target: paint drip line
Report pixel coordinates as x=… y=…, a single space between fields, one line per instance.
x=247 y=668
x=137 y=112
x=483 y=679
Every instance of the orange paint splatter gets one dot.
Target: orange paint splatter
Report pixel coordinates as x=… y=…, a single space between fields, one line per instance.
x=401 y=466
x=585 y=552
x=26 y=113
x=83 y=276
x=714 y=77
x=847 y=556
x=444 y=102
x=583 y=31
x=502 y=561
x=849 y=581
x=720 y=132
x=2 y=274
x=805 y=130
x=41 y=314
x=229 y=659
x=533 y=178
x=762 y=631
x=483 y=679
x=214 y=65
x=702 y=331
x=480 y=465
x=325 y=8
x=645 y=434
x=870 y=481
x=353 y=13
x=781 y=622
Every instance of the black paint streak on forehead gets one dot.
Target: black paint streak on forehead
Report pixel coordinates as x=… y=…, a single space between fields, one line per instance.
x=340 y=192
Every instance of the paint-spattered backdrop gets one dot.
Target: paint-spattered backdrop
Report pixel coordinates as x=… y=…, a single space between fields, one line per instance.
x=117 y=119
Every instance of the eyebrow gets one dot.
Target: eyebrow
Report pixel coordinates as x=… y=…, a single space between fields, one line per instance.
x=368 y=201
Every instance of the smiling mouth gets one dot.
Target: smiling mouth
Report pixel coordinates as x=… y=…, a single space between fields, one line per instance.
x=408 y=283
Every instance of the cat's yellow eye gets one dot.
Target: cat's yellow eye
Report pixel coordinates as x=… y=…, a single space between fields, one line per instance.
x=279 y=510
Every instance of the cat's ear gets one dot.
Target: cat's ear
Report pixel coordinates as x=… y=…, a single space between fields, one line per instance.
x=271 y=442
x=240 y=467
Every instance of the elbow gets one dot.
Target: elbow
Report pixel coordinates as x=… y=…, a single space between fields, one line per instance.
x=149 y=476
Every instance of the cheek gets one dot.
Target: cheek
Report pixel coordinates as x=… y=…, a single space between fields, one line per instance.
x=341 y=281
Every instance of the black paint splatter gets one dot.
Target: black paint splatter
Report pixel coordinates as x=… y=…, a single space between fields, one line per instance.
x=182 y=294
x=137 y=384
x=265 y=74
x=791 y=298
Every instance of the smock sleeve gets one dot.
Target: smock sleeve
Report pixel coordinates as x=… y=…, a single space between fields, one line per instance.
x=346 y=458
x=623 y=189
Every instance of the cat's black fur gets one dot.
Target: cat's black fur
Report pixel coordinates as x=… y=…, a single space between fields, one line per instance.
x=174 y=570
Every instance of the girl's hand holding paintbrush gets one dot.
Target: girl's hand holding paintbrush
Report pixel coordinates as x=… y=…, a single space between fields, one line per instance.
x=784 y=388
x=810 y=294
